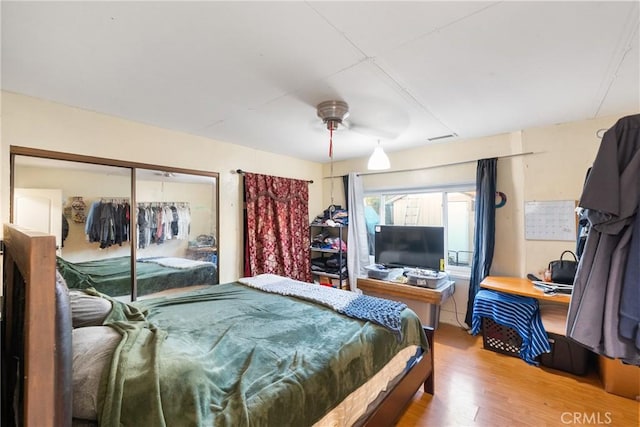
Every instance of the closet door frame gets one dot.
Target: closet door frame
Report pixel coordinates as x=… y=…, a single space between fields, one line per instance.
x=133 y=167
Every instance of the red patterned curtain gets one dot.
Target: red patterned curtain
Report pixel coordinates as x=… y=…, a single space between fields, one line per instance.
x=277 y=226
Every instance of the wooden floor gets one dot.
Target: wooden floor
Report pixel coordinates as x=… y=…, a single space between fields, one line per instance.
x=477 y=387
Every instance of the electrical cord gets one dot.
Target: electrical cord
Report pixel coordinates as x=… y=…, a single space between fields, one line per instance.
x=455 y=306
x=455 y=310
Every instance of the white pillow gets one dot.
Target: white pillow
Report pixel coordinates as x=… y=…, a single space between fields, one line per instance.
x=92 y=353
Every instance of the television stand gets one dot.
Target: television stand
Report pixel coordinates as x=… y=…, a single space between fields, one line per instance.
x=410 y=295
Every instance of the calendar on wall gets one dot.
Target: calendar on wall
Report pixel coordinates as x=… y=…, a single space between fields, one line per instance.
x=550 y=220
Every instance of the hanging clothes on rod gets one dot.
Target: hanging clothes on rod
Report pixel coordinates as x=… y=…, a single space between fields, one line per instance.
x=108 y=221
x=161 y=221
x=610 y=198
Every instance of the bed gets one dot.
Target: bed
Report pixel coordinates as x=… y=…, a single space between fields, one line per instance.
x=112 y=276
x=285 y=331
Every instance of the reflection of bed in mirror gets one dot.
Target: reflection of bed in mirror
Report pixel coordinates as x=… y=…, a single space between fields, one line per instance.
x=112 y=276
x=246 y=329
x=134 y=199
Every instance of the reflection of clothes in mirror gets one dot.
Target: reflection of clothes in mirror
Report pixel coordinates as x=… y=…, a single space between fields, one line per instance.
x=65 y=229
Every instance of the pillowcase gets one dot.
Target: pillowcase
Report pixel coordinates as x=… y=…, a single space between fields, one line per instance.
x=87 y=310
x=93 y=348
x=60 y=280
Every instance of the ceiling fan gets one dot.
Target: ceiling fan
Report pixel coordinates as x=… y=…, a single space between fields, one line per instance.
x=165 y=174
x=335 y=113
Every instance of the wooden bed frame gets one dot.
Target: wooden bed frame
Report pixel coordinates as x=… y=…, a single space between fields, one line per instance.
x=36 y=342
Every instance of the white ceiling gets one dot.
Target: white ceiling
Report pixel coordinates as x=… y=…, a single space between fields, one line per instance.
x=251 y=73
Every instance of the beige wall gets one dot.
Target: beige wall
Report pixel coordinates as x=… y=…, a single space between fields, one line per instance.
x=31 y=122
x=562 y=154
x=555 y=171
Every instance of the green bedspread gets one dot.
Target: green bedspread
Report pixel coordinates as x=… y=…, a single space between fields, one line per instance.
x=112 y=276
x=230 y=355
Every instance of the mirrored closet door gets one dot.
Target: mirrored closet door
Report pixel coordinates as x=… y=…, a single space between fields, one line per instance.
x=118 y=222
x=176 y=237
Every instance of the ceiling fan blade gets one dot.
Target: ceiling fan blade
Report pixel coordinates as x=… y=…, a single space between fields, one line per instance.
x=377 y=133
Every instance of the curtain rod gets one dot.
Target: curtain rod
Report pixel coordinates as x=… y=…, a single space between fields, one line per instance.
x=240 y=172
x=436 y=166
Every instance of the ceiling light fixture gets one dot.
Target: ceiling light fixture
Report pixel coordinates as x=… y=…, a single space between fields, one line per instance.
x=379 y=159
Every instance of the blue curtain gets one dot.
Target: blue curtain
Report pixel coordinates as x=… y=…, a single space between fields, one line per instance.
x=485 y=222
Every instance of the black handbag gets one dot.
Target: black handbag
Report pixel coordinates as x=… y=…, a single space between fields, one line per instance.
x=564 y=271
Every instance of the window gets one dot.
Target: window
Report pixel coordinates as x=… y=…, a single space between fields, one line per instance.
x=452 y=208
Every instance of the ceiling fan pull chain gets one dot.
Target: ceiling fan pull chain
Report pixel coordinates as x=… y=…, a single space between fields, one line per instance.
x=332 y=114
x=331 y=142
x=331 y=160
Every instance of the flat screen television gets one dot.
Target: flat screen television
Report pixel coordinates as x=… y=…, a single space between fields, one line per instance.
x=410 y=246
